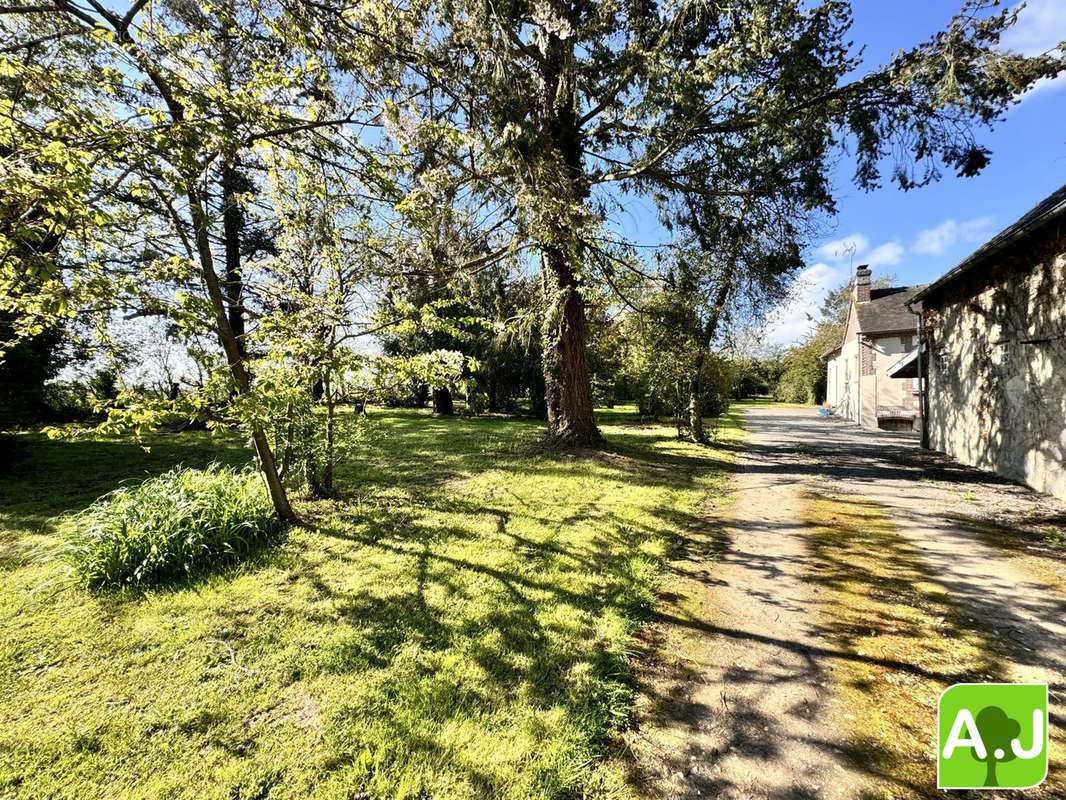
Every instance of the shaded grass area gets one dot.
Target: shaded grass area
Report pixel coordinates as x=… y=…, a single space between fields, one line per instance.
x=41 y=478
x=456 y=624
x=879 y=603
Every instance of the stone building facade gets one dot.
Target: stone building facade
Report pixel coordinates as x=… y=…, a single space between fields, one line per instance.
x=880 y=330
x=995 y=331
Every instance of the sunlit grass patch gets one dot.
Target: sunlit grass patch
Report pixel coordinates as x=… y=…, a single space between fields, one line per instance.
x=903 y=637
x=456 y=624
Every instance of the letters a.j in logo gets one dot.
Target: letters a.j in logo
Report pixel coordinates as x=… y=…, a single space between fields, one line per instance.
x=992 y=736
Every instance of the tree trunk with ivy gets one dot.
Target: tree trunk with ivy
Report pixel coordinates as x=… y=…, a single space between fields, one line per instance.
x=568 y=391
x=562 y=191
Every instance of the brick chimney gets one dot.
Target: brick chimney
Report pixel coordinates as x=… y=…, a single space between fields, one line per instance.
x=861 y=292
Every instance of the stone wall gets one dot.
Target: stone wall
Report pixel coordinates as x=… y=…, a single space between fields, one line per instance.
x=997 y=371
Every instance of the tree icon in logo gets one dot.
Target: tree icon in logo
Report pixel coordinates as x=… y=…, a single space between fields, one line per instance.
x=996 y=730
x=992 y=736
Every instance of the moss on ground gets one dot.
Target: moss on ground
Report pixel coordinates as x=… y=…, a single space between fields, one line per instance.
x=906 y=641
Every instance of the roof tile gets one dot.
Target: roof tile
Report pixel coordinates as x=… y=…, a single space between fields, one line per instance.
x=887 y=310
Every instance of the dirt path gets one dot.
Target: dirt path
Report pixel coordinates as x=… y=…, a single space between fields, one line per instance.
x=740 y=697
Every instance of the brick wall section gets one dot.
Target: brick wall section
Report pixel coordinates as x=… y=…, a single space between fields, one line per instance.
x=867 y=358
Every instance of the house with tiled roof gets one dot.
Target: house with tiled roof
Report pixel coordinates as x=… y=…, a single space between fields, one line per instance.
x=880 y=331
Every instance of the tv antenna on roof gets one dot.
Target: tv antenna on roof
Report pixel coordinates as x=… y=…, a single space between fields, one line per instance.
x=850 y=249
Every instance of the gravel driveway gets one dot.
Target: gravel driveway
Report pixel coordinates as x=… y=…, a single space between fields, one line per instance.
x=738 y=699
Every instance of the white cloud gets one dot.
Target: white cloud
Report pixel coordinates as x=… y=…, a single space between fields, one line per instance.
x=792 y=321
x=855 y=249
x=842 y=249
x=887 y=254
x=1041 y=27
x=934 y=241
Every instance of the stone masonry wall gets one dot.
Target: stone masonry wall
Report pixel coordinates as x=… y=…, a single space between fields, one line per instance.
x=997 y=372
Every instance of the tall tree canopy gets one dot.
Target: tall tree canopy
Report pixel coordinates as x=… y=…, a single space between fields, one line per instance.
x=139 y=147
x=705 y=107
x=134 y=146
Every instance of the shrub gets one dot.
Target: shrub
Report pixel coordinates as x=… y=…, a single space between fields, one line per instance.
x=476 y=403
x=170 y=526
x=67 y=401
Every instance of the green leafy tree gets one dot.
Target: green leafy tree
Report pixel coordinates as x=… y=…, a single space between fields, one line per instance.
x=658 y=367
x=562 y=106
x=133 y=145
x=803 y=379
x=450 y=323
x=305 y=343
x=743 y=258
x=486 y=315
x=30 y=355
x=27 y=366
x=510 y=357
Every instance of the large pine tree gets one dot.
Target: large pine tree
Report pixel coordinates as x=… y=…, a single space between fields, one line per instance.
x=566 y=106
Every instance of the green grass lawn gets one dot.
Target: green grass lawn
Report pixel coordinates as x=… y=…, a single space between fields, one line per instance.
x=457 y=624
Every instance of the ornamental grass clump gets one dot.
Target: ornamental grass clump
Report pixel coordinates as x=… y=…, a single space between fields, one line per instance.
x=170 y=526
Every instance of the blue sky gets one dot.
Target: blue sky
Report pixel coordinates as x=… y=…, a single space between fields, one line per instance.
x=919 y=235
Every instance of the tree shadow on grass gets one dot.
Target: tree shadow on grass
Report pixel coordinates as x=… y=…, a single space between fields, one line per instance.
x=484 y=604
x=455 y=637
x=55 y=477
x=529 y=600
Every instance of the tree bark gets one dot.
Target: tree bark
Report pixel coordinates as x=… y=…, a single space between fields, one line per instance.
x=232 y=229
x=230 y=344
x=443 y=406
x=568 y=391
x=235 y=359
x=561 y=187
